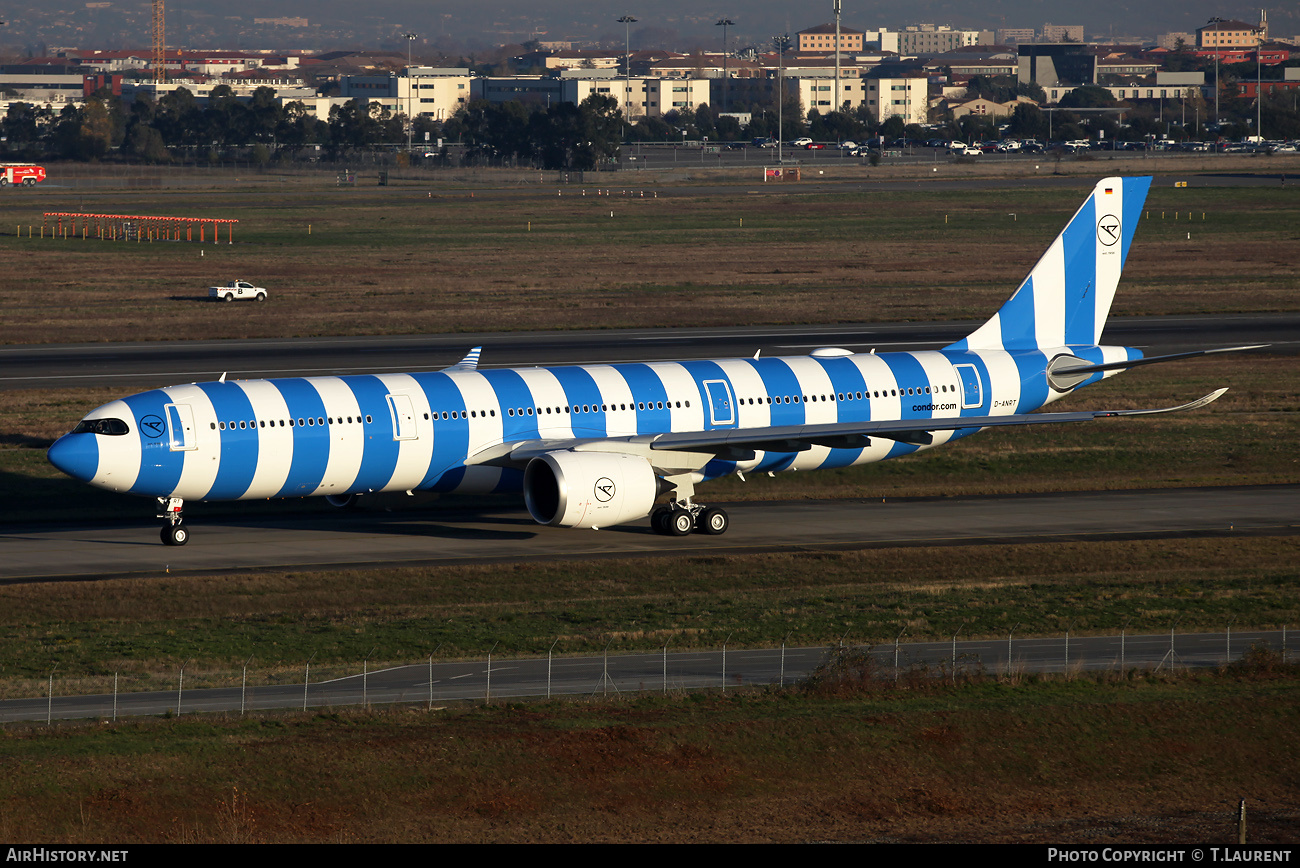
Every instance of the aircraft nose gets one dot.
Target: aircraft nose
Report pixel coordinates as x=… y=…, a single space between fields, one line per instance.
x=76 y=455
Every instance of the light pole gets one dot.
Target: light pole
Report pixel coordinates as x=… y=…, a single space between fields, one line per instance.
x=627 y=21
x=837 y=7
x=1216 y=22
x=410 y=121
x=780 y=43
x=724 y=23
x=1259 y=93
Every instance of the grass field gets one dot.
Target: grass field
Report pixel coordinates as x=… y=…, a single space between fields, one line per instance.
x=1137 y=761
x=404 y=261
x=1083 y=760
x=143 y=629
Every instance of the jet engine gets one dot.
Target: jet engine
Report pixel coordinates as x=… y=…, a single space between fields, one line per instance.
x=588 y=489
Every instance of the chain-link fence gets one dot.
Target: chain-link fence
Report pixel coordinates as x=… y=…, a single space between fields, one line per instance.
x=431 y=682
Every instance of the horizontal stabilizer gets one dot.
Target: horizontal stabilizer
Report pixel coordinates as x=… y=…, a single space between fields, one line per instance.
x=1149 y=360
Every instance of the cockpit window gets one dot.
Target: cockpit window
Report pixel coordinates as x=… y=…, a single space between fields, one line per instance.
x=115 y=427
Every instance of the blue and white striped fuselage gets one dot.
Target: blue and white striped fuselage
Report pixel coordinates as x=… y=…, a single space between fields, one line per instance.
x=344 y=435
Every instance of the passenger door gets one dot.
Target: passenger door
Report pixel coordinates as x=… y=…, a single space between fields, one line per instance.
x=180 y=428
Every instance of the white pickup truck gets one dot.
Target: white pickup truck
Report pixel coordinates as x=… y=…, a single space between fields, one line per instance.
x=237 y=289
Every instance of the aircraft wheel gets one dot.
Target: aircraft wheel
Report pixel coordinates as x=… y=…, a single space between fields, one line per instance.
x=679 y=523
x=713 y=522
x=175 y=535
x=659 y=519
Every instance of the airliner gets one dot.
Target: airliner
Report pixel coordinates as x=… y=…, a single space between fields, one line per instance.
x=593 y=446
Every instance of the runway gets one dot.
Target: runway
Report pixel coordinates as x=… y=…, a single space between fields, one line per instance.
x=139 y=366
x=447 y=533
x=444 y=535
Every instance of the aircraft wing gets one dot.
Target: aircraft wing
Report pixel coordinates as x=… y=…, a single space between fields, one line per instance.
x=739 y=444
x=854 y=435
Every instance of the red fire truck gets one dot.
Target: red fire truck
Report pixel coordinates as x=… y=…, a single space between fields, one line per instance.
x=21 y=173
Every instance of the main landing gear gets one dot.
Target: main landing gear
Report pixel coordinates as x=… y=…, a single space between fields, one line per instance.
x=173 y=532
x=676 y=519
x=679 y=516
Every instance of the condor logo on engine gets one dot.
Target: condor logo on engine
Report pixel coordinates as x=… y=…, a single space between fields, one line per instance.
x=604 y=489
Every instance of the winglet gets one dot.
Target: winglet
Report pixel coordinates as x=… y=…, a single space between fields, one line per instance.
x=469 y=363
x=1191 y=405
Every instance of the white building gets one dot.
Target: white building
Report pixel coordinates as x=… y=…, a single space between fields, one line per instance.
x=420 y=91
x=815 y=91
x=638 y=96
x=906 y=97
x=931 y=39
x=286 y=90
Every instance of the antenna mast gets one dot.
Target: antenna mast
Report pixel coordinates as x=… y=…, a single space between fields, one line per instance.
x=159 y=44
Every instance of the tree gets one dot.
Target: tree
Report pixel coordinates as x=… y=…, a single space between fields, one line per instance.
x=1088 y=96
x=147 y=144
x=1027 y=122
x=656 y=129
x=25 y=123
x=264 y=114
x=836 y=127
x=728 y=128
x=582 y=137
x=298 y=126
x=705 y=121
x=96 y=130
x=177 y=118
x=494 y=130
x=892 y=128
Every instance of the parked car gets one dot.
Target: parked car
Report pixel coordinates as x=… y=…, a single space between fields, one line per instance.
x=802 y=142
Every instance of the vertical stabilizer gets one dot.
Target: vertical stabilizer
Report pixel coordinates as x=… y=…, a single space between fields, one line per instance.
x=1067 y=296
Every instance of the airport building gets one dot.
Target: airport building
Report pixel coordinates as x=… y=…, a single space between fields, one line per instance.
x=906 y=97
x=419 y=91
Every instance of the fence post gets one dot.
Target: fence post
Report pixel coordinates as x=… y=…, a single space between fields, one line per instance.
x=49 y=705
x=180 y=686
x=306 y=679
x=666 y=667
x=549 y=652
x=724 y=661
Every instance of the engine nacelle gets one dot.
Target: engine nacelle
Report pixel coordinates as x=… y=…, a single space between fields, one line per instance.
x=588 y=489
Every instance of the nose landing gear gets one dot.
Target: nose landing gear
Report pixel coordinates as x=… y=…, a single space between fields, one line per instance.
x=173 y=533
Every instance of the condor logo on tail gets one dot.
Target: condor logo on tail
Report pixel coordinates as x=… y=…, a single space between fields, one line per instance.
x=1108 y=230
